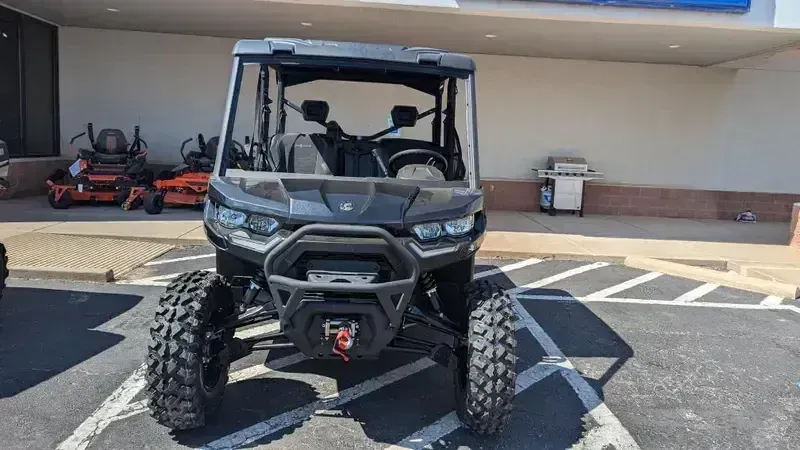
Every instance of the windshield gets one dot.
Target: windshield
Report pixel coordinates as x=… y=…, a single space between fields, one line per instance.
x=296 y=122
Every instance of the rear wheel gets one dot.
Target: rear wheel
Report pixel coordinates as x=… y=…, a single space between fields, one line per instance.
x=154 y=202
x=63 y=202
x=188 y=358
x=486 y=370
x=3 y=268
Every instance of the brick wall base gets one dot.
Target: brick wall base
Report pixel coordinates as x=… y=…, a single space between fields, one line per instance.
x=27 y=176
x=623 y=200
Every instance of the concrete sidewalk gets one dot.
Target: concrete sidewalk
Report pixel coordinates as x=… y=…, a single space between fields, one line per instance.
x=757 y=250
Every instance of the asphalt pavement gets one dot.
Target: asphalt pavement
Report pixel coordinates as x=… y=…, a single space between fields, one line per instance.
x=607 y=355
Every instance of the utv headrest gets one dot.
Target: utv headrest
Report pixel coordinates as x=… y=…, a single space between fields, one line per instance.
x=211 y=147
x=404 y=116
x=315 y=110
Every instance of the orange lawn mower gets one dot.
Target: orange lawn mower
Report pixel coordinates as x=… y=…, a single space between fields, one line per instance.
x=111 y=171
x=187 y=184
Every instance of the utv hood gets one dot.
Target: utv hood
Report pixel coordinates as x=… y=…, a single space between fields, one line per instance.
x=352 y=201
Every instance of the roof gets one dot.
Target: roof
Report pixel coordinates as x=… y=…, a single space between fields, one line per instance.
x=285 y=48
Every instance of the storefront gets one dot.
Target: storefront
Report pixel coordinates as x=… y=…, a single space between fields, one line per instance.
x=679 y=109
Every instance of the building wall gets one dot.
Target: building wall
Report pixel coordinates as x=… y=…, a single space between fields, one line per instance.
x=673 y=127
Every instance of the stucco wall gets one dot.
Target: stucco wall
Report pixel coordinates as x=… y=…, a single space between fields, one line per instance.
x=639 y=124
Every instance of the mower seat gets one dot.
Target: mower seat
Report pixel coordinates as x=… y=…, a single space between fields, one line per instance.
x=304 y=153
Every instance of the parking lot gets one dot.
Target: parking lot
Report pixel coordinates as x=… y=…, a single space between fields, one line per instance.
x=607 y=355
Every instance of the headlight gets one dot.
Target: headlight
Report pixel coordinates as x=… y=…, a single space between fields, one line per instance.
x=428 y=231
x=262 y=224
x=459 y=227
x=209 y=211
x=229 y=218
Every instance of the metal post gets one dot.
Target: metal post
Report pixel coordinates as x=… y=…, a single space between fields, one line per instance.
x=437 y=119
x=281 y=128
x=228 y=120
x=472 y=134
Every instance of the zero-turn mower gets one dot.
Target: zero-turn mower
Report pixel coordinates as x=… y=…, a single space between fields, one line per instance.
x=187 y=183
x=111 y=171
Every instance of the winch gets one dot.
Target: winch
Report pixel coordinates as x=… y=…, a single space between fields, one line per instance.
x=343 y=332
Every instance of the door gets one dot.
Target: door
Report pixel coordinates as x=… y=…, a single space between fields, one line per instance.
x=10 y=125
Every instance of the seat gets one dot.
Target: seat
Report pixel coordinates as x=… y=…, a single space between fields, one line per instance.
x=304 y=153
x=110 y=147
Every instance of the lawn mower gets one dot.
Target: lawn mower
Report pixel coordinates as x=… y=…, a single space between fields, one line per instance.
x=111 y=171
x=187 y=183
x=4 y=163
x=355 y=246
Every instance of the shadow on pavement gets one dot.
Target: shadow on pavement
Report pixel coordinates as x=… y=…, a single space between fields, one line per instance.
x=549 y=414
x=45 y=332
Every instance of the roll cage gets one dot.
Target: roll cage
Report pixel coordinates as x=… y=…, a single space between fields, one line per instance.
x=294 y=62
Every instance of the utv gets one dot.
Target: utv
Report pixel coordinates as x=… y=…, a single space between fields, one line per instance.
x=354 y=244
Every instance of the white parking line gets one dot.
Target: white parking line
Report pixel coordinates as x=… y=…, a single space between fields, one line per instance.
x=626 y=285
x=103 y=416
x=607 y=425
x=450 y=422
x=772 y=300
x=641 y=301
x=158 y=280
x=696 y=293
x=507 y=268
x=265 y=428
x=558 y=277
x=174 y=260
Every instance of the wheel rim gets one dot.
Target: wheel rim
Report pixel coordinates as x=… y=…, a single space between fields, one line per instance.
x=211 y=366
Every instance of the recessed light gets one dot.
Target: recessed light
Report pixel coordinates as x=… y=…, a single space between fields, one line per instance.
x=112 y=10
x=674 y=46
x=491 y=36
x=306 y=24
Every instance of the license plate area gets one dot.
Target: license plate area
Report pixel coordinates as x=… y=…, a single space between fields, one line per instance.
x=339 y=271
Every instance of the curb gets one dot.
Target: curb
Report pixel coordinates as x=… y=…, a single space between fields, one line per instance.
x=618 y=259
x=734 y=280
x=60 y=273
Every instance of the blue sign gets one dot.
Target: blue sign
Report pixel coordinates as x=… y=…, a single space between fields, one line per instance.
x=723 y=6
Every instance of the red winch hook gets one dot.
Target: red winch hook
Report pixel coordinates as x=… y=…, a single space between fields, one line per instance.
x=342 y=343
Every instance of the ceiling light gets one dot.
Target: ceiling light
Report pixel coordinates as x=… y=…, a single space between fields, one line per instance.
x=491 y=36
x=674 y=46
x=112 y=10
x=306 y=24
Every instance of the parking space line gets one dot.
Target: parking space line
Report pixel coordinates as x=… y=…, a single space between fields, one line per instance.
x=450 y=422
x=103 y=416
x=641 y=301
x=508 y=268
x=264 y=428
x=158 y=280
x=558 y=277
x=771 y=300
x=608 y=427
x=696 y=293
x=626 y=285
x=174 y=260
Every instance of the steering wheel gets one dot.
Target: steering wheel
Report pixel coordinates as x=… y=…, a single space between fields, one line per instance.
x=417 y=151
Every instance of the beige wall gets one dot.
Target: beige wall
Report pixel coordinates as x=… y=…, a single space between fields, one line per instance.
x=639 y=124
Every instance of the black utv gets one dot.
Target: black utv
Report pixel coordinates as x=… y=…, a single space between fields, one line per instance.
x=357 y=245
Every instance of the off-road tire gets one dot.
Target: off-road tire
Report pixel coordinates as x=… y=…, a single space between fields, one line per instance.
x=154 y=203
x=3 y=269
x=485 y=375
x=62 y=203
x=177 y=395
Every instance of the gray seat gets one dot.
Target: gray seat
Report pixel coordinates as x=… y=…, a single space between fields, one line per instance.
x=304 y=153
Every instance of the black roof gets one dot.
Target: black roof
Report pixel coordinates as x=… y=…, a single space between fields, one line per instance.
x=287 y=49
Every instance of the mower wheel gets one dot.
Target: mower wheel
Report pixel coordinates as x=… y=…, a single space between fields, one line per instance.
x=62 y=203
x=188 y=359
x=486 y=370
x=121 y=196
x=154 y=203
x=3 y=268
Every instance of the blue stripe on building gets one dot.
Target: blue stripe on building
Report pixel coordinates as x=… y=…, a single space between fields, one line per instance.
x=722 y=6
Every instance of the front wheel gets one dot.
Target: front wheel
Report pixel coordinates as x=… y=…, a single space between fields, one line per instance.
x=63 y=202
x=154 y=202
x=188 y=357
x=486 y=370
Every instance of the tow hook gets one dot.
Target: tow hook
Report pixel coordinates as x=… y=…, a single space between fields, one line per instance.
x=343 y=343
